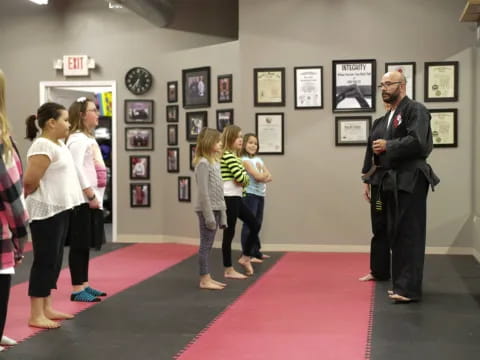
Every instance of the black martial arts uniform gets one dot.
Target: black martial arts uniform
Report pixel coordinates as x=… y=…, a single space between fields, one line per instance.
x=403 y=176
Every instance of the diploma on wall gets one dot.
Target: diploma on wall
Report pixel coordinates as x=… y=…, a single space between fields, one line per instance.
x=444 y=127
x=269 y=129
x=308 y=88
x=441 y=81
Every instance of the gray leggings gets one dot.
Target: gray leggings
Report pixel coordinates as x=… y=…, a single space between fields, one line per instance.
x=207 y=237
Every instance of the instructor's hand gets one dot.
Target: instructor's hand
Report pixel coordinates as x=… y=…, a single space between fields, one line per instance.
x=366 y=192
x=379 y=146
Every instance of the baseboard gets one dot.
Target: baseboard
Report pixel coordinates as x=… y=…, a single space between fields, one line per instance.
x=439 y=250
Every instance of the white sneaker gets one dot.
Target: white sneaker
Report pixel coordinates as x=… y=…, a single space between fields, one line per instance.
x=7 y=341
x=1 y=348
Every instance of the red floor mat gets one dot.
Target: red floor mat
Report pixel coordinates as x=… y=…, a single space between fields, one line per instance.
x=308 y=306
x=112 y=273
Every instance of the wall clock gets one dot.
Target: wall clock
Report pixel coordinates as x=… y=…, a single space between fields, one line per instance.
x=138 y=80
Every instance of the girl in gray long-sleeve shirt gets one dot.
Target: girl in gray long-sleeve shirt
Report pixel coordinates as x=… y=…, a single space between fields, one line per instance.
x=210 y=206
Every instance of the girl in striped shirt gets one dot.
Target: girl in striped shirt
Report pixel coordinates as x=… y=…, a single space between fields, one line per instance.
x=235 y=178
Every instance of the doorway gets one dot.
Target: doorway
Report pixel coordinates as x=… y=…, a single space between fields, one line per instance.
x=104 y=94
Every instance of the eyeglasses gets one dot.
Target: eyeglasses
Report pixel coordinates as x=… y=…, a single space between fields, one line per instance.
x=388 y=84
x=94 y=110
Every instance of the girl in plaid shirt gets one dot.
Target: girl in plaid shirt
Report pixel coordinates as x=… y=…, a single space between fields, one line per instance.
x=13 y=216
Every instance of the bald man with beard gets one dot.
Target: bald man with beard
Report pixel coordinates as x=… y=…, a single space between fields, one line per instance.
x=402 y=177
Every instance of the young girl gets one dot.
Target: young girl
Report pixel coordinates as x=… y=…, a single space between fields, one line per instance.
x=235 y=178
x=13 y=216
x=86 y=228
x=210 y=205
x=52 y=190
x=255 y=191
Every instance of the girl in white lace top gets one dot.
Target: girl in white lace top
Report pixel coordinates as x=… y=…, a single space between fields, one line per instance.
x=52 y=189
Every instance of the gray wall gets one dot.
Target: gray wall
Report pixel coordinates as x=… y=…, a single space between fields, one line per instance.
x=316 y=194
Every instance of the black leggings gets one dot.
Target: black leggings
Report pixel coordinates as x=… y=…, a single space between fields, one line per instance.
x=5 y=280
x=237 y=209
x=78 y=259
x=48 y=239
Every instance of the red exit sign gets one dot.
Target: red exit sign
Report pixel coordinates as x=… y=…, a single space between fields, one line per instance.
x=75 y=65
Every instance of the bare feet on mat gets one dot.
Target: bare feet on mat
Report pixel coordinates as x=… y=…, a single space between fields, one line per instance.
x=231 y=273
x=390 y=292
x=210 y=285
x=57 y=315
x=247 y=265
x=265 y=256
x=256 y=260
x=219 y=283
x=368 y=277
x=43 y=323
x=400 y=298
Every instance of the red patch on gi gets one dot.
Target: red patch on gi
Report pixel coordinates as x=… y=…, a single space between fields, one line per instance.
x=397 y=121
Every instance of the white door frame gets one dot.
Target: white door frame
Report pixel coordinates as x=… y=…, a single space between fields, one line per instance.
x=113 y=86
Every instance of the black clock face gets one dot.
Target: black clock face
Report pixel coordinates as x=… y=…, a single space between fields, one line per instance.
x=138 y=80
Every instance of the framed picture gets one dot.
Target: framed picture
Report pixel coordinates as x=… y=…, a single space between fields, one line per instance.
x=172 y=113
x=196 y=121
x=139 y=111
x=224 y=88
x=269 y=86
x=308 y=87
x=172 y=134
x=408 y=70
x=173 y=161
x=139 y=138
x=196 y=87
x=354 y=85
x=441 y=81
x=269 y=129
x=224 y=118
x=444 y=127
x=140 y=195
x=193 y=148
x=184 y=188
x=172 y=91
x=352 y=130
x=139 y=167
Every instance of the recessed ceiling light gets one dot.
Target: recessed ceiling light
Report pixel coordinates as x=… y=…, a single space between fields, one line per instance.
x=40 y=2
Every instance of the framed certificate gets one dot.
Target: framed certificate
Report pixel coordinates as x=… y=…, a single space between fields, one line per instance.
x=408 y=70
x=444 y=127
x=441 y=81
x=352 y=130
x=269 y=86
x=308 y=87
x=269 y=129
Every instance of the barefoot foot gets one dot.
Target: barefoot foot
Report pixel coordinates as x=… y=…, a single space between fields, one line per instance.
x=256 y=260
x=368 y=277
x=43 y=323
x=400 y=298
x=233 y=274
x=247 y=265
x=219 y=283
x=210 y=285
x=57 y=315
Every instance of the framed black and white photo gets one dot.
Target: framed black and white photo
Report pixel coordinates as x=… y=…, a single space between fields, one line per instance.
x=195 y=122
x=269 y=86
x=140 y=195
x=173 y=159
x=308 y=82
x=139 y=138
x=225 y=88
x=352 y=130
x=172 y=113
x=224 y=118
x=139 y=111
x=354 y=85
x=444 y=127
x=139 y=167
x=172 y=134
x=441 y=81
x=269 y=130
x=172 y=91
x=184 y=189
x=193 y=148
x=196 y=87
x=408 y=70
